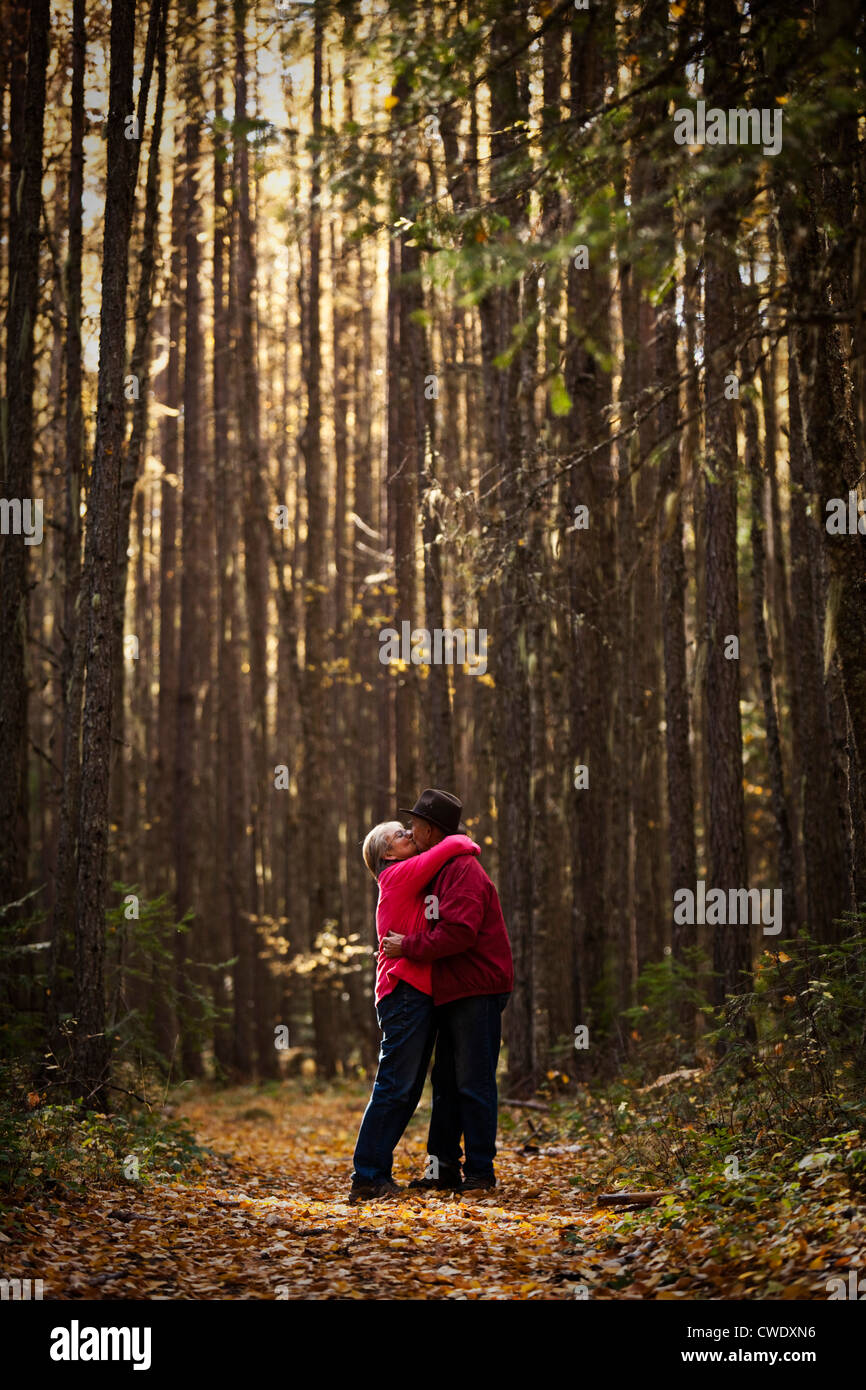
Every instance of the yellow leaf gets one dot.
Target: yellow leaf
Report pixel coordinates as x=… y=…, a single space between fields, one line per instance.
x=390 y=102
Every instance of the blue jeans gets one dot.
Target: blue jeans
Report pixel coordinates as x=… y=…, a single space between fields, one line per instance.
x=464 y=1082
x=406 y=1020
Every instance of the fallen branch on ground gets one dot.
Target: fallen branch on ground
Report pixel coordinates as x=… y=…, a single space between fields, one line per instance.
x=525 y=1104
x=632 y=1199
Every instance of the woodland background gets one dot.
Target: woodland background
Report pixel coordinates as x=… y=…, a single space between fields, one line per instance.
x=337 y=269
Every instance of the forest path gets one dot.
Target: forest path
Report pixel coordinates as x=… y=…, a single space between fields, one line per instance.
x=268 y=1218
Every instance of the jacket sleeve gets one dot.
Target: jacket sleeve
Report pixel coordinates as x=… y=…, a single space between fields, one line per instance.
x=412 y=874
x=461 y=914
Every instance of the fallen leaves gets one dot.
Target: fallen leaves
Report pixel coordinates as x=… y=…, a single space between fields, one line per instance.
x=269 y=1219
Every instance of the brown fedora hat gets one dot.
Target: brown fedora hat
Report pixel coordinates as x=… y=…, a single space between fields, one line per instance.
x=441 y=809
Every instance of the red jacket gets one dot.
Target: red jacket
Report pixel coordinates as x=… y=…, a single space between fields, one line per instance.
x=469 y=944
x=401 y=909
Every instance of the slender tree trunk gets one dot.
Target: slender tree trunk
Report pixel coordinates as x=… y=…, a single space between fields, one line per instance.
x=505 y=409
x=314 y=772
x=727 y=857
x=402 y=462
x=29 y=61
x=813 y=195
x=825 y=395
x=680 y=783
x=140 y=373
x=785 y=861
x=186 y=805
x=255 y=555
x=228 y=820
x=91 y=1049
x=822 y=815
x=73 y=631
x=169 y=559
x=590 y=573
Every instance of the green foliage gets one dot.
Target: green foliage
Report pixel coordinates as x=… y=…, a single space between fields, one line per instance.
x=804 y=1076
x=23 y=962
x=767 y=1117
x=142 y=949
x=667 y=990
x=46 y=1138
x=58 y=1147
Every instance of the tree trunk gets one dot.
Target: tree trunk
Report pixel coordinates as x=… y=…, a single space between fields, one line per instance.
x=165 y=1021
x=186 y=803
x=314 y=773
x=589 y=557
x=505 y=408
x=825 y=397
x=29 y=46
x=140 y=372
x=727 y=842
x=229 y=823
x=827 y=893
x=680 y=784
x=785 y=847
x=73 y=631
x=91 y=1049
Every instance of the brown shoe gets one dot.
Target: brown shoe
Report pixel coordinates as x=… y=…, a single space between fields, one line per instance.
x=373 y=1191
x=477 y=1184
x=439 y=1177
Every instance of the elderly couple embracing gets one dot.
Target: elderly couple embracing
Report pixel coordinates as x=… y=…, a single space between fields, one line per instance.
x=444 y=976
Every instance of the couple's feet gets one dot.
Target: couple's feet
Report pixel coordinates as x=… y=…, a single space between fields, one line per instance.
x=439 y=1177
x=373 y=1191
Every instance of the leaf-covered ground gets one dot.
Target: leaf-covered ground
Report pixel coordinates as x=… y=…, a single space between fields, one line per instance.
x=266 y=1216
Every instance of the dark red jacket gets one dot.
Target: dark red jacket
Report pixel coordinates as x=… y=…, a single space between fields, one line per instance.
x=469 y=944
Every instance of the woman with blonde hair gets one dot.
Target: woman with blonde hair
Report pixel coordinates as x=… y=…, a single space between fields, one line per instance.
x=404 y=1000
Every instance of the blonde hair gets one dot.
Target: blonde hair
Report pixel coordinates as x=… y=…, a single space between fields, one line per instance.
x=375 y=844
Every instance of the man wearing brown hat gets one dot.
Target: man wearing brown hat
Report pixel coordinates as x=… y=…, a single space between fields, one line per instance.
x=467 y=943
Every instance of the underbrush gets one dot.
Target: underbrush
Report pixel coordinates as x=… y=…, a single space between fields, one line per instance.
x=772 y=1110
x=59 y=1148
x=49 y=1140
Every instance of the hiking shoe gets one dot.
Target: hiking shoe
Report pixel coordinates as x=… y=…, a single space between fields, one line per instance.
x=439 y=1177
x=478 y=1184
x=373 y=1191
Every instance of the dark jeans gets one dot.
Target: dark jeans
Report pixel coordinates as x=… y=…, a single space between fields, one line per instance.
x=406 y=1019
x=464 y=1082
